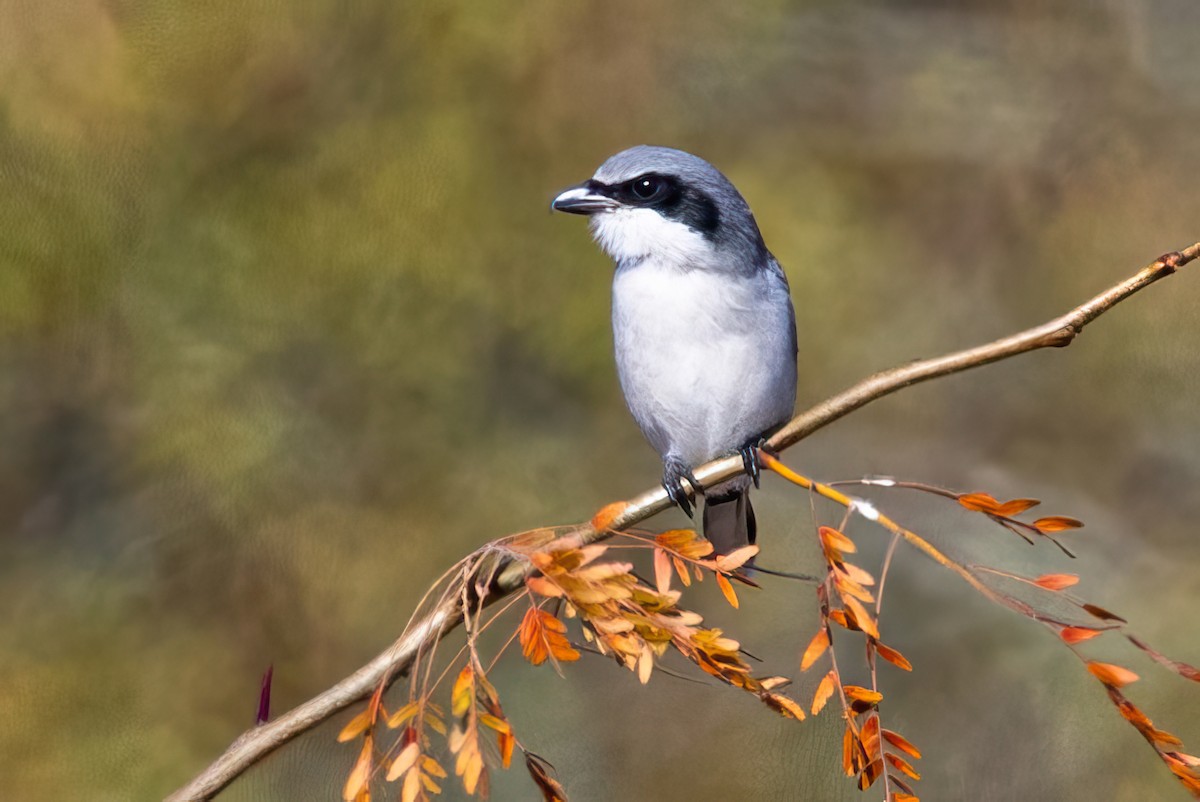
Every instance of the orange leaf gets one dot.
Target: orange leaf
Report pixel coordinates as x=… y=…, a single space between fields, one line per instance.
x=1056 y=523
x=600 y=572
x=412 y=786
x=686 y=542
x=676 y=539
x=541 y=638
x=824 y=691
x=849 y=751
x=848 y=587
x=1131 y=713
x=1164 y=737
x=1112 y=675
x=590 y=552
x=685 y=576
x=861 y=616
x=784 y=705
x=840 y=618
x=736 y=558
x=609 y=513
x=402 y=715
x=892 y=656
x=489 y=691
x=360 y=773
x=727 y=589
x=662 y=571
x=870 y=774
x=562 y=650
x=645 y=664
x=870 y=737
x=1141 y=721
x=903 y=765
x=472 y=769
x=543 y=587
x=463 y=693
x=1056 y=581
x=436 y=724
x=979 y=502
x=860 y=694
x=856 y=574
x=1016 y=506
x=404 y=761
x=355 y=727
x=816 y=648
x=495 y=722
x=834 y=539
x=903 y=744
x=1187 y=778
x=430 y=786
x=506 y=741
x=1078 y=634
x=456 y=741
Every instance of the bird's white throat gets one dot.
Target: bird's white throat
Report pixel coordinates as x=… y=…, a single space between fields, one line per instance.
x=632 y=234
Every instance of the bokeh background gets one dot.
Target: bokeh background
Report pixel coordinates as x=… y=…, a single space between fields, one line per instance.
x=286 y=328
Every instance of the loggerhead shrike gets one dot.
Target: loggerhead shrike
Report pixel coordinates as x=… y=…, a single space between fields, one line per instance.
x=703 y=325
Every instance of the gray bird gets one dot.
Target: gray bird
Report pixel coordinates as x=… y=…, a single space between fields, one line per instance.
x=703 y=326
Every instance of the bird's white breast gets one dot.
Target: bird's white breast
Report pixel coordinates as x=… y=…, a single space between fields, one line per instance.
x=704 y=357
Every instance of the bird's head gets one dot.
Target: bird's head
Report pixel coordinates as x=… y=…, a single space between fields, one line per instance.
x=664 y=204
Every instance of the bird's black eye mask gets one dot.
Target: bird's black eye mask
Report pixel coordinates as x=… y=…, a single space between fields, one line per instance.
x=668 y=197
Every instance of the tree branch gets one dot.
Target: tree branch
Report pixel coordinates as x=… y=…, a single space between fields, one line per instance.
x=508 y=574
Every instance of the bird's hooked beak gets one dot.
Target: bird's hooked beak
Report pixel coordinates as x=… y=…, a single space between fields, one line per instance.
x=585 y=198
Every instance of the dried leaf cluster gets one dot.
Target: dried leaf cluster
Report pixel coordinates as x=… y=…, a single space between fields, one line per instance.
x=629 y=620
x=619 y=615
x=636 y=622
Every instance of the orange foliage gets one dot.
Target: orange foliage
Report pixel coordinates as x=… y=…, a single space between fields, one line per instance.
x=636 y=622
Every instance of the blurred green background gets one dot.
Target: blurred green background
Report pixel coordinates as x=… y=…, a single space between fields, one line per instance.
x=286 y=328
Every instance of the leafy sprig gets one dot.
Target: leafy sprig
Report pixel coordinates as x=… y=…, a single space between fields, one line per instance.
x=581 y=588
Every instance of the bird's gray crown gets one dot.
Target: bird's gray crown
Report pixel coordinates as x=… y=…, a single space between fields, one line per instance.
x=635 y=161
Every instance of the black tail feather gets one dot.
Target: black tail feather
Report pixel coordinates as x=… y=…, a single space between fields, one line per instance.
x=729 y=521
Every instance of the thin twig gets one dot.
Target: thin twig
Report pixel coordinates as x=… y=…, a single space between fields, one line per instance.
x=394 y=661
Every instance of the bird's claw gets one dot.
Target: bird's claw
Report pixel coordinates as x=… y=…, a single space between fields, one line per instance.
x=678 y=496
x=750 y=463
x=673 y=475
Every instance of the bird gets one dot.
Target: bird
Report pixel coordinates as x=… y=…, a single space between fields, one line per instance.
x=704 y=330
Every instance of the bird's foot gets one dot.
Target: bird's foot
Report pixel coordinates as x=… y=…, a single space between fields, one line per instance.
x=750 y=462
x=674 y=474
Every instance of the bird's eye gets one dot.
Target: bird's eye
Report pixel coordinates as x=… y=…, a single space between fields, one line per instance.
x=648 y=187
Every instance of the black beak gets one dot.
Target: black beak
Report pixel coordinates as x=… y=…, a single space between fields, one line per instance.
x=585 y=198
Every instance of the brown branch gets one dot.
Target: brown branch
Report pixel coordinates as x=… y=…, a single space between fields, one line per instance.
x=508 y=574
